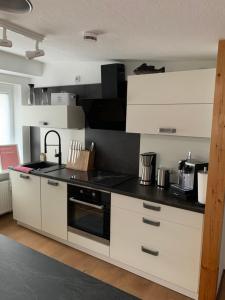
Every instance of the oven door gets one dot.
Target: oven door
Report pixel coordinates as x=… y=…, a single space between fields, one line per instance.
x=87 y=217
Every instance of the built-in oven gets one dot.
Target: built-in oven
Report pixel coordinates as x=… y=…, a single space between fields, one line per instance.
x=89 y=211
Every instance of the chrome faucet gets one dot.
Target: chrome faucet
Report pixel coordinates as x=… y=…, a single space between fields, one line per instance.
x=59 y=154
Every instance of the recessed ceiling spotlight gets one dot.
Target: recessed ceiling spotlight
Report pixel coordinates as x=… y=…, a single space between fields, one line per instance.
x=16 y=6
x=35 y=53
x=4 y=42
x=90 y=36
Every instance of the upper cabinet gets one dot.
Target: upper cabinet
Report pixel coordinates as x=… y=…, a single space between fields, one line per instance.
x=53 y=116
x=174 y=103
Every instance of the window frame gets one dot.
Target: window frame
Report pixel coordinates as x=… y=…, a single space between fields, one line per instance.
x=8 y=89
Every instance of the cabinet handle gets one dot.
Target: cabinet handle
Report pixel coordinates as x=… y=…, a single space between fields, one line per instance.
x=150 y=222
x=100 y=207
x=167 y=130
x=151 y=207
x=54 y=183
x=24 y=176
x=149 y=251
x=43 y=123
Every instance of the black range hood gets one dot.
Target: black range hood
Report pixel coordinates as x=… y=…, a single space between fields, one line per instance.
x=108 y=112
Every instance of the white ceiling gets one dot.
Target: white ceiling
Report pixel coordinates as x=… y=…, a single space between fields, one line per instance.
x=134 y=29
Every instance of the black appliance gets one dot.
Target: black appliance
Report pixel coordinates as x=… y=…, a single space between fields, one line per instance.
x=89 y=211
x=109 y=112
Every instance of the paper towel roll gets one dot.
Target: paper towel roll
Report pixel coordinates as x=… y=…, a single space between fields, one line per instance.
x=202 y=186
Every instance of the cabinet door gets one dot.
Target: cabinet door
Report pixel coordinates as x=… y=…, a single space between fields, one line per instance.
x=54 y=207
x=26 y=198
x=193 y=120
x=163 y=249
x=195 y=86
x=53 y=116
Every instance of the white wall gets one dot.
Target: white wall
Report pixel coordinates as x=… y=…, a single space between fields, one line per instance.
x=64 y=73
x=171 y=149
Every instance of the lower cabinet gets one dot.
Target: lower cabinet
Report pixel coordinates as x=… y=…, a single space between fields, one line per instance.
x=54 y=207
x=26 y=198
x=168 y=250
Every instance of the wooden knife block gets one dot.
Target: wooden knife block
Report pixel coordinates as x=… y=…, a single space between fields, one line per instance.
x=84 y=162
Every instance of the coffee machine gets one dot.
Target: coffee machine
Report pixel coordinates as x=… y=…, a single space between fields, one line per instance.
x=148 y=161
x=187 y=185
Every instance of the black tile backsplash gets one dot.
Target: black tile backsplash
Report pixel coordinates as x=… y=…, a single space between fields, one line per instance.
x=116 y=151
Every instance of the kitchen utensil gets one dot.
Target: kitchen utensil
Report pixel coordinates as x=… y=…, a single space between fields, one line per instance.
x=148 y=161
x=163 y=178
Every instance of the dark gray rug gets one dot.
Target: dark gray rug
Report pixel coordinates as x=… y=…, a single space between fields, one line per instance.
x=27 y=275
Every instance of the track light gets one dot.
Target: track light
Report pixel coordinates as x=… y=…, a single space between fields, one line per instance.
x=4 y=42
x=36 y=53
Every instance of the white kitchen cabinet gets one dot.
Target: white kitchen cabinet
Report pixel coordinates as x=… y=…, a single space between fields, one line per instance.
x=173 y=103
x=53 y=116
x=54 y=207
x=26 y=198
x=168 y=250
x=194 y=120
x=194 y=86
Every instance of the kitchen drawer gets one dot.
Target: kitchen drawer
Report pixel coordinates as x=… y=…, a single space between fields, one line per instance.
x=194 y=86
x=158 y=211
x=194 y=120
x=176 y=248
x=53 y=116
x=90 y=244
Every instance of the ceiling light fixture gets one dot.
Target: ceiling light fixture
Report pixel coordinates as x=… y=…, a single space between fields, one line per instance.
x=4 y=42
x=35 y=53
x=16 y=6
x=6 y=25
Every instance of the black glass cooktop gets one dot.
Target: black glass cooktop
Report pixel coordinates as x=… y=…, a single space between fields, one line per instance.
x=104 y=178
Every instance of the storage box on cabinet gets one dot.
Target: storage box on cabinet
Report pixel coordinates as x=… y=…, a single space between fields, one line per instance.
x=53 y=116
x=155 y=244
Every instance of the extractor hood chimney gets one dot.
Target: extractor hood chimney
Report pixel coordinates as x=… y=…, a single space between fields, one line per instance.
x=108 y=112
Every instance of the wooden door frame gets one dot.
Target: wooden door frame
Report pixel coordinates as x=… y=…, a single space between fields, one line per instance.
x=214 y=210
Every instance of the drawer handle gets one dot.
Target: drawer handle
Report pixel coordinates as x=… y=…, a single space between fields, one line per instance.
x=151 y=207
x=167 y=130
x=24 y=176
x=149 y=251
x=150 y=222
x=53 y=183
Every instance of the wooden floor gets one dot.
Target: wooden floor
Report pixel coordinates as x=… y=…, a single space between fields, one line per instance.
x=106 y=272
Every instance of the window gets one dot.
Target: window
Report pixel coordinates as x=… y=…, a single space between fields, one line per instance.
x=6 y=116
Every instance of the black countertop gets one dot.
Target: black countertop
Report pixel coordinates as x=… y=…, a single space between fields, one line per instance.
x=130 y=188
x=27 y=275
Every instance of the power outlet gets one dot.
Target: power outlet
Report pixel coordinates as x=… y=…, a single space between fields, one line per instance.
x=77 y=78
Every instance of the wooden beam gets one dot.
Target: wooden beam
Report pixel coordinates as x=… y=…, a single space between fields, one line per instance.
x=216 y=188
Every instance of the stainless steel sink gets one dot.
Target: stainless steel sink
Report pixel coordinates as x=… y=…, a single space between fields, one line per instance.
x=44 y=166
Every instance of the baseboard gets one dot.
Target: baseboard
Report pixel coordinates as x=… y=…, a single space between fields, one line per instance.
x=219 y=294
